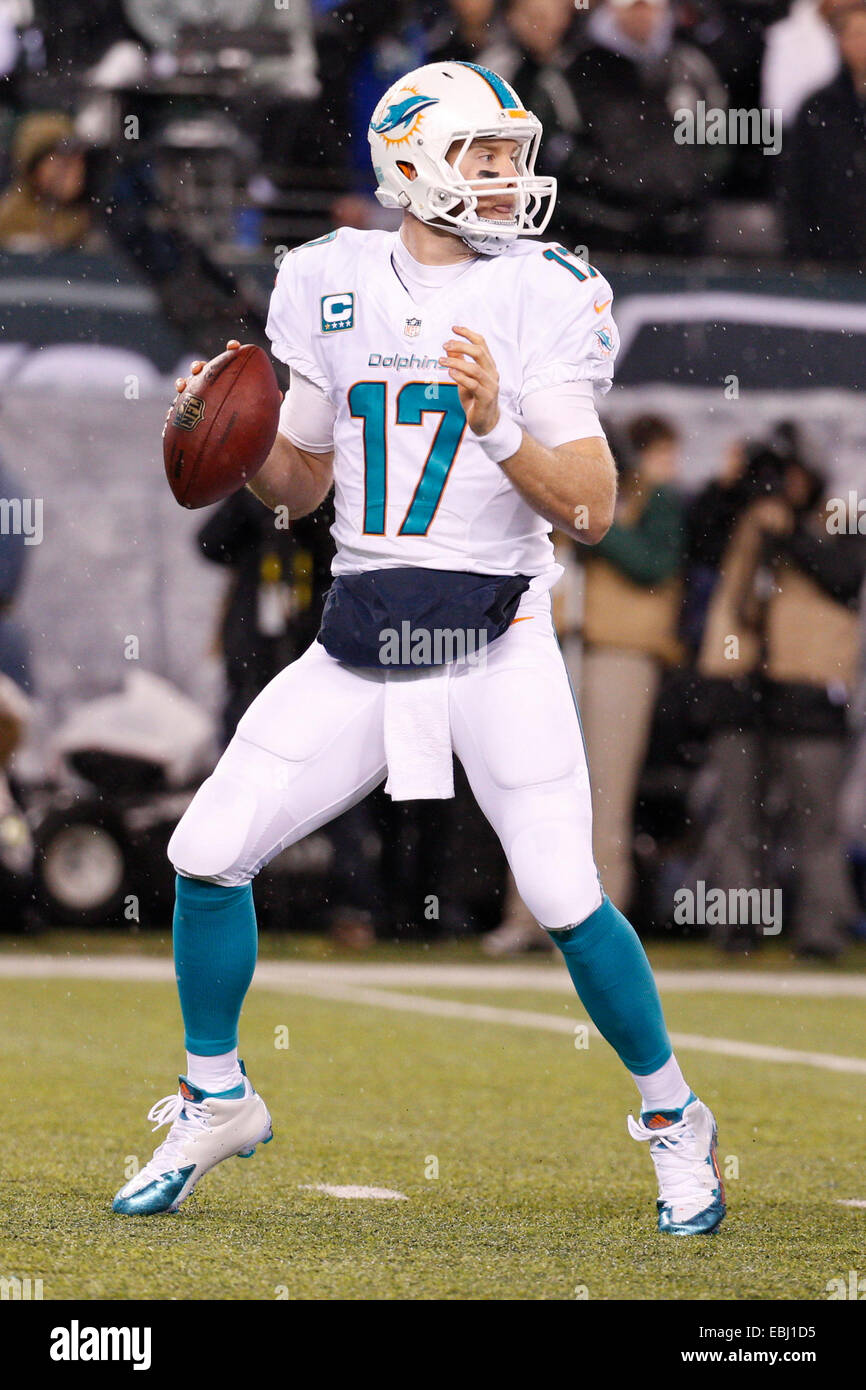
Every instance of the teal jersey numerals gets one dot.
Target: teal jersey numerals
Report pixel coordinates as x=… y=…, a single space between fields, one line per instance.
x=565 y=259
x=413 y=404
x=368 y=401
x=318 y=241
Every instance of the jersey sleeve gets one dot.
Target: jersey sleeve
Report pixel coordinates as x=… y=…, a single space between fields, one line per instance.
x=290 y=319
x=307 y=416
x=567 y=326
x=557 y=414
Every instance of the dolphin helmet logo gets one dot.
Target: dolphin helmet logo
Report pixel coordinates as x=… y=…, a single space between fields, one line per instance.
x=401 y=117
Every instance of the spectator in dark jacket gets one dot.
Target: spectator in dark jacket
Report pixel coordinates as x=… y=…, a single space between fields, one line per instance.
x=628 y=185
x=463 y=31
x=749 y=471
x=824 y=174
x=539 y=40
x=812 y=641
x=784 y=616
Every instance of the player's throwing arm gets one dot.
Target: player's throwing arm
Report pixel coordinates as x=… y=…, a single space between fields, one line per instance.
x=573 y=486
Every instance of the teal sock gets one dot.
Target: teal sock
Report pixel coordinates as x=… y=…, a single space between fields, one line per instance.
x=615 y=983
x=215 y=946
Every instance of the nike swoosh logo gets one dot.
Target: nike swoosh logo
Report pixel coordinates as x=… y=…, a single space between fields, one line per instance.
x=527 y=619
x=600 y=308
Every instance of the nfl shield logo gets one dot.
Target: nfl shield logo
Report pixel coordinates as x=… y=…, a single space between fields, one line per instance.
x=189 y=412
x=412 y=327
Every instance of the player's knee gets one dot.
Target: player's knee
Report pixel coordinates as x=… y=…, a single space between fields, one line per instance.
x=555 y=872
x=212 y=839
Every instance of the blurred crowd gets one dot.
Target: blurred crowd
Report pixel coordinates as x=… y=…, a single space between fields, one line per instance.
x=715 y=640
x=717 y=644
x=780 y=168
x=741 y=610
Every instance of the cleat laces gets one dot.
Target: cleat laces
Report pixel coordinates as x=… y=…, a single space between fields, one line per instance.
x=684 y=1175
x=186 y=1119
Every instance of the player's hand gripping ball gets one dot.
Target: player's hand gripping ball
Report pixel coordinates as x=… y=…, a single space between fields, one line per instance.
x=221 y=426
x=471 y=365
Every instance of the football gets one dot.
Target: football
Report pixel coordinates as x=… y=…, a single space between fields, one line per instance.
x=220 y=431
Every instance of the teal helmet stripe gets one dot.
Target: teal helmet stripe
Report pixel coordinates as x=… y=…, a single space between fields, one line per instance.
x=507 y=97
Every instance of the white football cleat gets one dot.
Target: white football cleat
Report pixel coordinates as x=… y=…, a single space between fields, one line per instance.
x=205 y=1129
x=682 y=1143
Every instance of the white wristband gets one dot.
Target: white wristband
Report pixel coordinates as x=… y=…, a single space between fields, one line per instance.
x=503 y=440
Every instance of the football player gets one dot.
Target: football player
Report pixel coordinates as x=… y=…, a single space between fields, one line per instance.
x=442 y=381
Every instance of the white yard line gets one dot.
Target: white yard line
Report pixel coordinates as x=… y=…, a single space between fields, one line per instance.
x=554 y=1023
x=375 y=1194
x=350 y=984
x=542 y=978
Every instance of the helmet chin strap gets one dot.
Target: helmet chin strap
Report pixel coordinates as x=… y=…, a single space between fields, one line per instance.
x=486 y=243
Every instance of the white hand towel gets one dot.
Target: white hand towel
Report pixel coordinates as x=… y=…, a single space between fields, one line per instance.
x=418 y=735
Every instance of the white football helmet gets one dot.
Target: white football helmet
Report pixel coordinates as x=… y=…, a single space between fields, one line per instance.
x=415 y=125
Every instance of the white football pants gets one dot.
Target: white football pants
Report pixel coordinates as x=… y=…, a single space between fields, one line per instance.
x=312 y=745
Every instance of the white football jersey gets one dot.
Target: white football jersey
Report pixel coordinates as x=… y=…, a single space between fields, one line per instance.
x=412 y=484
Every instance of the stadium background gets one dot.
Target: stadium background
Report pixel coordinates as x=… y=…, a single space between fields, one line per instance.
x=202 y=151
x=202 y=141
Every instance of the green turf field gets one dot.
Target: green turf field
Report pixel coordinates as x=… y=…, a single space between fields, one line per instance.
x=508 y=1142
